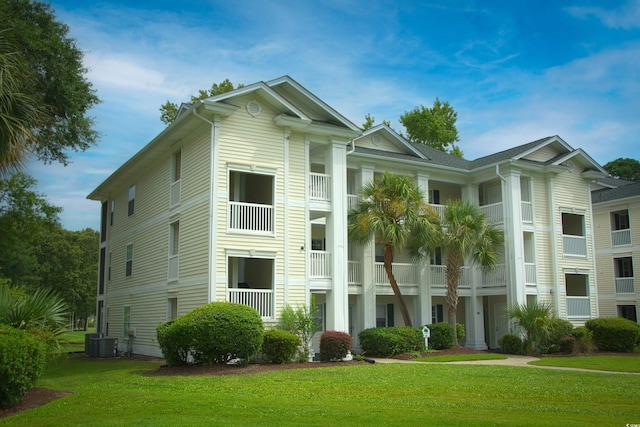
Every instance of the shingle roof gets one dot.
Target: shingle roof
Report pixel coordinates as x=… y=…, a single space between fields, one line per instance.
x=507 y=154
x=622 y=192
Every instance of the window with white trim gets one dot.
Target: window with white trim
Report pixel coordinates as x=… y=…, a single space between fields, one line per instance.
x=129 y=261
x=132 y=199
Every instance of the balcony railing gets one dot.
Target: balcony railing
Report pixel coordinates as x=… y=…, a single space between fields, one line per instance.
x=625 y=285
x=527 y=212
x=405 y=274
x=260 y=299
x=440 y=209
x=320 y=264
x=320 y=186
x=175 y=193
x=578 y=307
x=355 y=273
x=174 y=261
x=621 y=237
x=493 y=213
x=530 y=273
x=352 y=202
x=250 y=217
x=439 y=276
x=495 y=277
x=574 y=245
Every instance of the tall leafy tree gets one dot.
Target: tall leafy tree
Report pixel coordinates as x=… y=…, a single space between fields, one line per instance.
x=392 y=210
x=435 y=126
x=169 y=110
x=462 y=233
x=624 y=168
x=54 y=77
x=369 y=121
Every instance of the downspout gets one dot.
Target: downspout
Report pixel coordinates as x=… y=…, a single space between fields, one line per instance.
x=593 y=251
x=213 y=194
x=498 y=173
x=353 y=147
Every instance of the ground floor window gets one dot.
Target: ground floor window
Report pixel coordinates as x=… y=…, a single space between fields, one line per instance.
x=628 y=312
x=437 y=313
x=172 y=308
x=384 y=315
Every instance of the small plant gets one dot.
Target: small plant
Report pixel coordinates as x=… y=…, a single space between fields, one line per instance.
x=542 y=328
x=460 y=333
x=614 y=333
x=301 y=322
x=334 y=345
x=583 y=340
x=280 y=346
x=567 y=345
x=510 y=344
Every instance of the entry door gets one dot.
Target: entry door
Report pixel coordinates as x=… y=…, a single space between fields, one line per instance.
x=501 y=326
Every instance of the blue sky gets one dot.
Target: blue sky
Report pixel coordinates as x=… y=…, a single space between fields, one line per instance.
x=514 y=71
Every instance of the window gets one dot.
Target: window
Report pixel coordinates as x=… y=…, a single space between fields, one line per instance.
x=434 y=197
x=132 y=198
x=172 y=308
x=436 y=257
x=113 y=209
x=109 y=266
x=126 y=320
x=129 y=261
x=101 y=267
x=384 y=315
x=251 y=202
x=174 y=249
x=176 y=173
x=628 y=312
x=623 y=267
x=620 y=220
x=437 y=313
x=574 y=242
x=320 y=318
x=103 y=221
x=577 y=290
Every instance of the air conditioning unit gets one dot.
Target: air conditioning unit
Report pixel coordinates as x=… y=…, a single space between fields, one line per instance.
x=88 y=349
x=104 y=347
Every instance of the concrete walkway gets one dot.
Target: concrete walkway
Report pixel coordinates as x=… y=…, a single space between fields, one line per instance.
x=511 y=360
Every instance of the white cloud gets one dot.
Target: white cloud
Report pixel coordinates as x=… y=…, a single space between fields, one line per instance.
x=627 y=17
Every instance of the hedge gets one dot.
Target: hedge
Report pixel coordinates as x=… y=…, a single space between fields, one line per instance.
x=385 y=342
x=614 y=333
x=442 y=336
x=510 y=344
x=22 y=359
x=280 y=346
x=334 y=345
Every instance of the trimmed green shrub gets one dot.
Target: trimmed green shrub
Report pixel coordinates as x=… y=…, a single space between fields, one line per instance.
x=460 y=333
x=441 y=336
x=213 y=333
x=510 y=344
x=334 y=345
x=614 y=333
x=567 y=345
x=583 y=340
x=280 y=346
x=22 y=359
x=390 y=341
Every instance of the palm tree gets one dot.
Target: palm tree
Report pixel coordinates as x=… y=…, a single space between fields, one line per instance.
x=391 y=209
x=538 y=321
x=462 y=233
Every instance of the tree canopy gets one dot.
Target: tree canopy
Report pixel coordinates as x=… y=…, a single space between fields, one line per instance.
x=369 y=121
x=435 y=126
x=624 y=168
x=169 y=110
x=46 y=99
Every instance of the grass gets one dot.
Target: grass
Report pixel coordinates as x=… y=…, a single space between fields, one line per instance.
x=460 y=357
x=74 y=341
x=117 y=393
x=601 y=363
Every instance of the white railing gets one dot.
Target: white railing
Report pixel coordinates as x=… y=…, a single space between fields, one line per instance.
x=574 y=245
x=530 y=273
x=319 y=264
x=578 y=307
x=174 y=261
x=527 y=211
x=352 y=202
x=621 y=237
x=439 y=276
x=175 y=193
x=405 y=274
x=250 y=217
x=260 y=299
x=493 y=213
x=625 y=285
x=440 y=209
x=495 y=277
x=355 y=273
x=320 y=186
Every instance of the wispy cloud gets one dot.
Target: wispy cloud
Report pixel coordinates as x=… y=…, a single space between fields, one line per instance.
x=626 y=17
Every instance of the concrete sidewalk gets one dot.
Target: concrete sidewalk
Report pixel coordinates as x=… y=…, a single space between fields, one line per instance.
x=511 y=360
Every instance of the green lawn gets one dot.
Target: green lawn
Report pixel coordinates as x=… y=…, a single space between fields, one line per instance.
x=602 y=363
x=461 y=357
x=117 y=393
x=74 y=341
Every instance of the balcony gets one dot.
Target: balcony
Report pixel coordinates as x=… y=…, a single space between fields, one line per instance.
x=250 y=218
x=493 y=213
x=578 y=307
x=260 y=299
x=320 y=265
x=621 y=237
x=530 y=273
x=440 y=209
x=439 y=276
x=625 y=285
x=404 y=273
x=496 y=277
x=527 y=212
x=355 y=273
x=320 y=187
x=574 y=245
x=352 y=202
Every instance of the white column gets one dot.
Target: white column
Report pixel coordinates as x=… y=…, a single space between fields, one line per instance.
x=423 y=309
x=336 y=228
x=514 y=239
x=365 y=176
x=475 y=322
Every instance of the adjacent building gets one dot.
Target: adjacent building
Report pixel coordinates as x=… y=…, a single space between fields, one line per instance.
x=244 y=198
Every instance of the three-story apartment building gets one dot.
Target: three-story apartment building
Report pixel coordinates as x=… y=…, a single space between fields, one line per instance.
x=244 y=198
